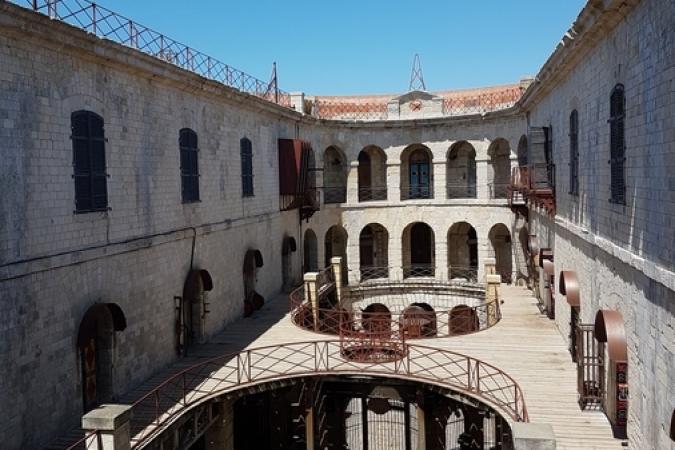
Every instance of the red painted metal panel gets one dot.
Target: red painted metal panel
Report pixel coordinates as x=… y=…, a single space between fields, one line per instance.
x=290 y=155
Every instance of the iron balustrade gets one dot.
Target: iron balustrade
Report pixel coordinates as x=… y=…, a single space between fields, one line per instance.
x=346 y=109
x=498 y=190
x=461 y=190
x=334 y=194
x=372 y=193
x=90 y=441
x=463 y=273
x=159 y=408
x=373 y=272
x=417 y=192
x=104 y=23
x=419 y=270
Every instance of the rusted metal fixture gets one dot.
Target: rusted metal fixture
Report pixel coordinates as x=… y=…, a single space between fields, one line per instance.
x=569 y=287
x=610 y=330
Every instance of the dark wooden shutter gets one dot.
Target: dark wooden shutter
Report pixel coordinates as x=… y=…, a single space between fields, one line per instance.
x=89 y=164
x=617 y=145
x=574 y=153
x=246 y=149
x=189 y=165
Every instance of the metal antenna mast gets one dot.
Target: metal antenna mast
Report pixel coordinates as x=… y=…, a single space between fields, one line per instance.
x=416 y=77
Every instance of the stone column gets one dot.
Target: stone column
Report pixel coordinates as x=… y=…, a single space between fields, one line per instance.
x=312 y=293
x=440 y=180
x=394 y=181
x=353 y=183
x=395 y=256
x=336 y=262
x=112 y=424
x=482 y=189
x=490 y=266
x=533 y=436
x=220 y=435
x=492 y=297
x=441 y=255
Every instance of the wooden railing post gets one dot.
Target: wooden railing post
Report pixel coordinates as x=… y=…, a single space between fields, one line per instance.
x=312 y=293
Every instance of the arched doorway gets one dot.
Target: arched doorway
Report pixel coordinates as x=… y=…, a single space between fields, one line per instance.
x=193 y=310
x=431 y=327
x=372 y=174
x=463 y=319
x=376 y=319
x=500 y=162
x=500 y=240
x=462 y=251
x=373 y=245
x=310 y=261
x=252 y=299
x=334 y=176
x=416 y=173
x=418 y=250
x=96 y=344
x=335 y=244
x=461 y=171
x=288 y=247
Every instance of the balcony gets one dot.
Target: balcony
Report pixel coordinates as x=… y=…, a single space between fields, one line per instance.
x=417 y=192
x=534 y=184
x=372 y=193
x=461 y=190
x=418 y=270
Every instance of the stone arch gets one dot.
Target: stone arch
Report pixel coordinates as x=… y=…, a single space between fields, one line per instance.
x=430 y=329
x=376 y=318
x=418 y=245
x=253 y=260
x=500 y=162
x=96 y=345
x=463 y=319
x=334 y=175
x=197 y=284
x=416 y=172
x=335 y=244
x=372 y=174
x=310 y=254
x=373 y=251
x=461 y=170
x=500 y=249
x=522 y=151
x=462 y=251
x=288 y=247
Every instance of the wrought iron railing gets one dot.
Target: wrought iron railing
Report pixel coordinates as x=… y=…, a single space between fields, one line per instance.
x=334 y=194
x=90 y=441
x=419 y=270
x=417 y=192
x=372 y=193
x=457 y=104
x=157 y=409
x=107 y=24
x=463 y=273
x=461 y=190
x=373 y=272
x=498 y=190
x=346 y=109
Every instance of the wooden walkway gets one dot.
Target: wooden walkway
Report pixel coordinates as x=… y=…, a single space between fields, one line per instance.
x=525 y=344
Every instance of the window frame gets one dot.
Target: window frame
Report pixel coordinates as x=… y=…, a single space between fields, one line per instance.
x=246 y=156
x=89 y=173
x=574 y=153
x=189 y=151
x=617 y=145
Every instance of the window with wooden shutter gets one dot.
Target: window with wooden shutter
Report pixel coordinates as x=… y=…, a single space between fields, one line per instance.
x=617 y=145
x=246 y=150
x=189 y=167
x=89 y=168
x=574 y=153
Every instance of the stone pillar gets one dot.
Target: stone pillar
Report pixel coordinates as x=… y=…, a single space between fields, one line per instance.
x=483 y=253
x=298 y=101
x=353 y=183
x=440 y=180
x=353 y=257
x=482 y=188
x=112 y=424
x=490 y=266
x=394 y=181
x=533 y=436
x=395 y=256
x=220 y=435
x=336 y=262
x=492 y=297
x=441 y=255
x=312 y=293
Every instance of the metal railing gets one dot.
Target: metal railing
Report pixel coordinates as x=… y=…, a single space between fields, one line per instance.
x=457 y=104
x=214 y=377
x=417 y=192
x=461 y=190
x=419 y=270
x=334 y=194
x=372 y=193
x=498 y=190
x=90 y=441
x=373 y=272
x=347 y=109
x=107 y=24
x=463 y=273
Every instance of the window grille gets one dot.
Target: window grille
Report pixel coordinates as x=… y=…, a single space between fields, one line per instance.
x=574 y=153
x=189 y=167
x=90 y=176
x=246 y=167
x=617 y=157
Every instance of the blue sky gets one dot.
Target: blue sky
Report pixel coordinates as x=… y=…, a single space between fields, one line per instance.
x=366 y=46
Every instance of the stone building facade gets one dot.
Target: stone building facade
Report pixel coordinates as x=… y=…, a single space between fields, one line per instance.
x=56 y=264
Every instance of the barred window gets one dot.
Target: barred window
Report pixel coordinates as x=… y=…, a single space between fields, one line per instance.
x=246 y=150
x=617 y=145
x=189 y=167
x=574 y=153
x=87 y=134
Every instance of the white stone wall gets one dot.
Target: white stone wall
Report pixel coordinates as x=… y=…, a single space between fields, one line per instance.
x=624 y=255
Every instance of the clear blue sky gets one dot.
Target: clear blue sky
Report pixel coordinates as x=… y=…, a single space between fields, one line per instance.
x=366 y=46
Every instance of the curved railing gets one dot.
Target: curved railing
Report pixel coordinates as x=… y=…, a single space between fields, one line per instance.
x=413 y=319
x=160 y=407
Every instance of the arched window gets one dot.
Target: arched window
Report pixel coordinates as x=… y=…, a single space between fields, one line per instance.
x=419 y=175
x=617 y=145
x=246 y=150
x=91 y=192
x=574 y=153
x=189 y=168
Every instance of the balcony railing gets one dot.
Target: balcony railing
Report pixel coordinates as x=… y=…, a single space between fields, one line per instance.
x=498 y=190
x=463 y=273
x=461 y=190
x=372 y=193
x=334 y=194
x=373 y=273
x=416 y=192
x=419 y=270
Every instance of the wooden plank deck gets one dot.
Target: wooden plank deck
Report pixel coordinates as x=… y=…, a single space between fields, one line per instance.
x=525 y=344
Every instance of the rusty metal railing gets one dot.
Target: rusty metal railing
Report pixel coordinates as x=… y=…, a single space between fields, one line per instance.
x=209 y=379
x=108 y=24
x=90 y=441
